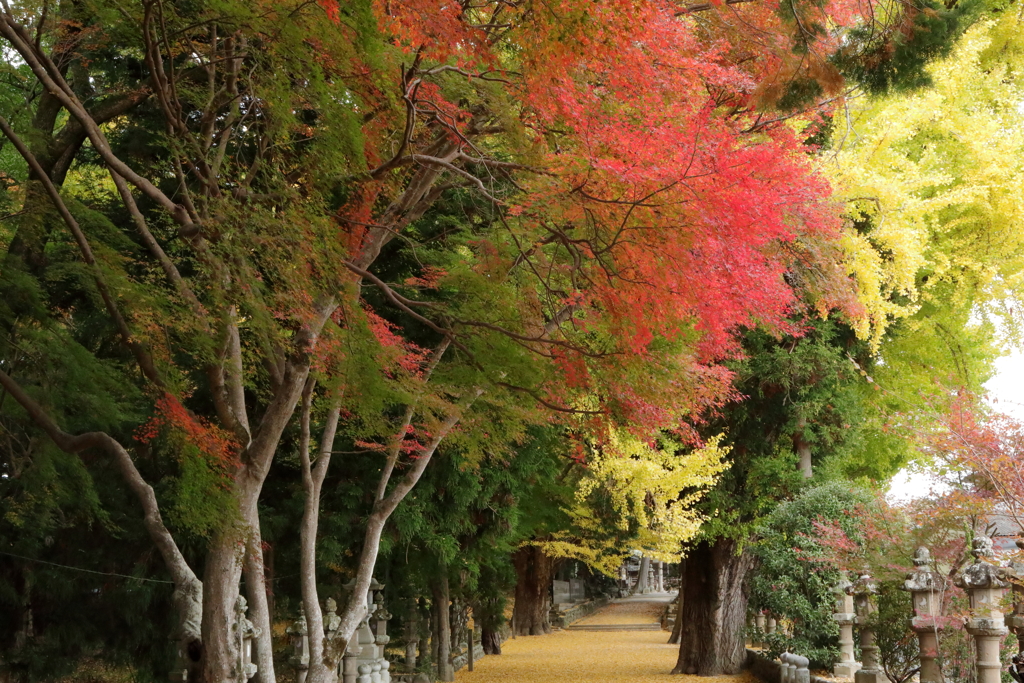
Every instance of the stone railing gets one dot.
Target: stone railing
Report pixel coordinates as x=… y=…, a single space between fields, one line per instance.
x=789 y=668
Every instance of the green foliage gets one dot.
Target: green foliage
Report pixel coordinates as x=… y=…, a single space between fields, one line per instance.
x=805 y=388
x=894 y=58
x=789 y=582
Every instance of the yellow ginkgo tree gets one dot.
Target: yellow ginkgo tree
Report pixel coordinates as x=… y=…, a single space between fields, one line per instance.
x=931 y=180
x=636 y=494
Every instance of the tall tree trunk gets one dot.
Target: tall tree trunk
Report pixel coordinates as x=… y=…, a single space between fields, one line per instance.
x=435 y=629
x=534 y=570
x=491 y=641
x=256 y=583
x=412 y=638
x=643 y=584
x=220 y=592
x=714 y=596
x=803 y=449
x=677 y=627
x=444 y=629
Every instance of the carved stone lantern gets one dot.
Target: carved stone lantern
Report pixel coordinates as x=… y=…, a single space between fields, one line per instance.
x=985 y=583
x=845 y=616
x=925 y=590
x=863 y=591
x=298 y=633
x=246 y=633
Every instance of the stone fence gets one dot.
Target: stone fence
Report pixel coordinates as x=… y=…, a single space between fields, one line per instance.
x=777 y=671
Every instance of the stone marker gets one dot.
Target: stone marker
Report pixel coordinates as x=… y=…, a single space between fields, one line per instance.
x=985 y=583
x=863 y=591
x=298 y=633
x=845 y=616
x=924 y=591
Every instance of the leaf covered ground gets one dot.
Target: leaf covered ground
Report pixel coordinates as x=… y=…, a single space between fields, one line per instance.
x=592 y=656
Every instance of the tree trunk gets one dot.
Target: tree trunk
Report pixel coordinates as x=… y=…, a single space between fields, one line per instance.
x=256 y=583
x=220 y=592
x=803 y=450
x=534 y=570
x=435 y=629
x=491 y=641
x=412 y=638
x=444 y=630
x=677 y=627
x=642 y=583
x=714 y=594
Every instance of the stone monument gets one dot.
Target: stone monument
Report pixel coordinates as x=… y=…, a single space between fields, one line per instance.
x=985 y=583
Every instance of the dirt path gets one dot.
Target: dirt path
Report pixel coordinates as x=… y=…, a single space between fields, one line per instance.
x=622 y=649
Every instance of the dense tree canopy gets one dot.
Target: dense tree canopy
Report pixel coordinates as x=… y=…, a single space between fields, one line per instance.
x=591 y=279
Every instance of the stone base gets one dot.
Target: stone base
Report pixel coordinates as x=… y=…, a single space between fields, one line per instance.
x=846 y=669
x=866 y=676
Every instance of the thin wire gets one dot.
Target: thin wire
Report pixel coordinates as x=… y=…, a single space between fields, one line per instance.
x=87 y=571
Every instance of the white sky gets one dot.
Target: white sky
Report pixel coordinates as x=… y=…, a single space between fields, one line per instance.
x=1006 y=389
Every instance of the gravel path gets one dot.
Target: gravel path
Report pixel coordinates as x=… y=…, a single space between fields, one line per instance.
x=626 y=656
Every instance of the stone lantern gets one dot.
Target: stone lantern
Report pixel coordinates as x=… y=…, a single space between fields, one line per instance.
x=845 y=616
x=925 y=591
x=364 y=660
x=298 y=634
x=985 y=583
x=246 y=633
x=863 y=591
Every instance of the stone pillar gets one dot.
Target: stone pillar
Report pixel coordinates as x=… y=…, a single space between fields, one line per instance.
x=785 y=670
x=298 y=633
x=925 y=590
x=760 y=624
x=985 y=583
x=381 y=637
x=802 y=671
x=863 y=604
x=845 y=616
x=770 y=624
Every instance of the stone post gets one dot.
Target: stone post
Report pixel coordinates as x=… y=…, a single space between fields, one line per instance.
x=925 y=591
x=770 y=624
x=760 y=623
x=845 y=616
x=298 y=633
x=784 y=668
x=863 y=591
x=802 y=671
x=985 y=583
